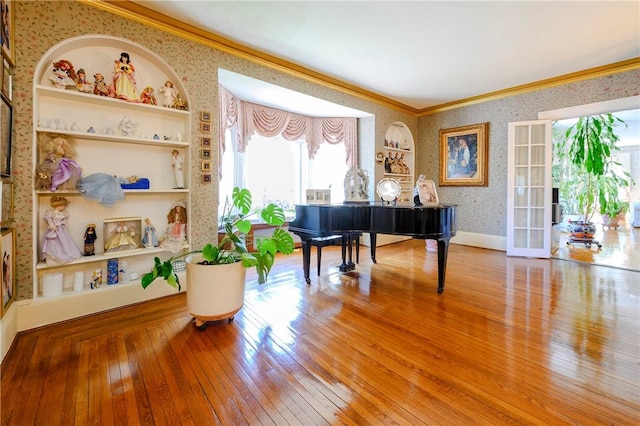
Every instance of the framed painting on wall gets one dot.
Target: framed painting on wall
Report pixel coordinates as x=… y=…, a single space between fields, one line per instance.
x=6 y=207
x=7 y=250
x=6 y=120
x=463 y=155
x=6 y=31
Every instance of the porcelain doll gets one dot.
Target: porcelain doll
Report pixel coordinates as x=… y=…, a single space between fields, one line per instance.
x=100 y=86
x=148 y=97
x=175 y=238
x=81 y=81
x=169 y=94
x=89 y=240
x=176 y=164
x=58 y=169
x=63 y=74
x=57 y=245
x=149 y=239
x=121 y=239
x=124 y=82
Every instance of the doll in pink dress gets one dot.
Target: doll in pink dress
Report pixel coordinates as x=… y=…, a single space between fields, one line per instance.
x=57 y=245
x=58 y=169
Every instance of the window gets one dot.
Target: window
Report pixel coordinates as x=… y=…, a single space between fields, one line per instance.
x=280 y=171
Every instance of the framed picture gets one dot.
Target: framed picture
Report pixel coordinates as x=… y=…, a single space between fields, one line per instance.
x=121 y=234
x=205 y=153
x=8 y=251
x=205 y=127
x=206 y=178
x=427 y=192
x=6 y=120
x=206 y=165
x=205 y=116
x=6 y=29
x=205 y=141
x=6 y=80
x=6 y=208
x=464 y=155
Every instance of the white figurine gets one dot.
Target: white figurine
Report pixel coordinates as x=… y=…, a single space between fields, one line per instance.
x=127 y=126
x=176 y=164
x=169 y=93
x=356 y=183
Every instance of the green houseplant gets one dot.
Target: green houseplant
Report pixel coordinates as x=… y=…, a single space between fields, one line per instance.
x=232 y=247
x=586 y=151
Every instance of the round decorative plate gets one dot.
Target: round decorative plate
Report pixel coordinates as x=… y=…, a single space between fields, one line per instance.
x=388 y=189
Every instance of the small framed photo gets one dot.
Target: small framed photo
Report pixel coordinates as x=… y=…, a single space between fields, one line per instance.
x=8 y=251
x=206 y=178
x=205 y=141
x=205 y=127
x=6 y=121
x=6 y=80
x=464 y=155
x=205 y=116
x=206 y=165
x=205 y=153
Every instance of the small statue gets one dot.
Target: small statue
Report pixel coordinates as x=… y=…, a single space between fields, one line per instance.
x=89 y=240
x=63 y=74
x=124 y=81
x=127 y=126
x=96 y=278
x=148 y=97
x=81 y=81
x=169 y=92
x=180 y=103
x=123 y=273
x=356 y=183
x=149 y=239
x=100 y=87
x=176 y=164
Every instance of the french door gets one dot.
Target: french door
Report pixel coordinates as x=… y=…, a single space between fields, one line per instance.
x=529 y=189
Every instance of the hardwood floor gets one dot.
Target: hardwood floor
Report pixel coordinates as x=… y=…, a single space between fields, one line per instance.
x=510 y=341
x=620 y=247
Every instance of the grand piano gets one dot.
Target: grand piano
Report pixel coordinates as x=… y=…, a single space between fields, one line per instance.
x=423 y=222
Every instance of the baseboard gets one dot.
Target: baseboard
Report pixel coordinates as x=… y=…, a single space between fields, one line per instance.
x=492 y=242
x=8 y=329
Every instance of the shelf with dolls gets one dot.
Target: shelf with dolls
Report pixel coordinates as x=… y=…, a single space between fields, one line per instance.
x=108 y=155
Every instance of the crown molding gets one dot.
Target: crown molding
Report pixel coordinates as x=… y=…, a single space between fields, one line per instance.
x=148 y=17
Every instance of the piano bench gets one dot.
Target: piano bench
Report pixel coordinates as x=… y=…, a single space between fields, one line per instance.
x=320 y=242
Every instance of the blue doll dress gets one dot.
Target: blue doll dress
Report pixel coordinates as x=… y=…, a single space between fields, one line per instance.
x=103 y=188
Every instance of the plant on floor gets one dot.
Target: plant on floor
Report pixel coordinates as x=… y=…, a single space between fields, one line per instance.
x=586 y=152
x=232 y=247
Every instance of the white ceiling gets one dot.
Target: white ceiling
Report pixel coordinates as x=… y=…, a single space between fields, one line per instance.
x=426 y=53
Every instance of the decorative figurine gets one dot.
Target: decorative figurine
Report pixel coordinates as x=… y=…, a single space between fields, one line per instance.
x=58 y=170
x=148 y=97
x=175 y=238
x=169 y=94
x=176 y=164
x=57 y=245
x=81 y=81
x=127 y=126
x=149 y=239
x=90 y=237
x=104 y=188
x=63 y=74
x=122 y=272
x=124 y=82
x=121 y=239
x=356 y=185
x=96 y=278
x=180 y=103
x=100 y=87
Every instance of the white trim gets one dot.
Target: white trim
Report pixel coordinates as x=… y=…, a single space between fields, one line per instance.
x=491 y=242
x=622 y=104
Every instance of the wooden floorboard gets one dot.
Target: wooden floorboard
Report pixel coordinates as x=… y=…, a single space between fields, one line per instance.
x=510 y=341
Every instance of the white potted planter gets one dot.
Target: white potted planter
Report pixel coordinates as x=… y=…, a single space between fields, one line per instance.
x=214 y=292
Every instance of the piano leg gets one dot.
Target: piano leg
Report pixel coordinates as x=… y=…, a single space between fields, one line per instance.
x=306 y=258
x=443 y=248
x=373 y=238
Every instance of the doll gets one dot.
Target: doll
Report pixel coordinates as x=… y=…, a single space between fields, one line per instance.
x=124 y=82
x=57 y=170
x=104 y=188
x=169 y=93
x=57 y=245
x=149 y=239
x=81 y=81
x=63 y=74
x=100 y=87
x=148 y=97
x=89 y=240
x=121 y=239
x=176 y=164
x=175 y=238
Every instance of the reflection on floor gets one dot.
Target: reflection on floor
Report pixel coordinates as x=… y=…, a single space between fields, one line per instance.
x=620 y=247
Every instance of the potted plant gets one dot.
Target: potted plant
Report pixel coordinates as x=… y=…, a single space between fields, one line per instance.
x=216 y=273
x=586 y=150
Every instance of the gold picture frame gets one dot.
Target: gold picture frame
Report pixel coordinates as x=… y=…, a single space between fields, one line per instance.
x=206 y=165
x=205 y=116
x=464 y=157
x=7 y=206
x=206 y=178
x=205 y=127
x=205 y=141
x=205 y=153
x=8 y=34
